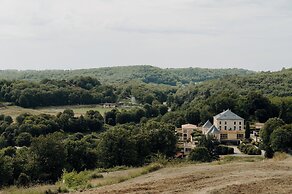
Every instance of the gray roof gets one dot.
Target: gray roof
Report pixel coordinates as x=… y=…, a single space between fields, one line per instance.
x=227 y=115
x=213 y=130
x=207 y=125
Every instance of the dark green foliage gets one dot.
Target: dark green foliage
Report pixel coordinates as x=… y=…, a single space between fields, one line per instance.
x=247 y=130
x=193 y=117
x=224 y=150
x=162 y=138
x=80 y=155
x=117 y=148
x=8 y=119
x=6 y=170
x=23 y=139
x=210 y=143
x=200 y=154
x=268 y=129
x=54 y=93
x=281 y=138
x=249 y=149
x=50 y=155
x=269 y=152
x=23 y=180
x=146 y=74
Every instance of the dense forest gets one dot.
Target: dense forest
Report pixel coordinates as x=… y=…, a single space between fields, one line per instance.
x=146 y=74
x=37 y=148
x=255 y=97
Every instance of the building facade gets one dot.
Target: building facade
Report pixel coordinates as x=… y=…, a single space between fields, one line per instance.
x=185 y=138
x=227 y=127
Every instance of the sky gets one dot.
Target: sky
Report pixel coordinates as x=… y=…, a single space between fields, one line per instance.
x=78 y=34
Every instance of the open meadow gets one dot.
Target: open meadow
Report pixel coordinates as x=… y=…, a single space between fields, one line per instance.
x=14 y=111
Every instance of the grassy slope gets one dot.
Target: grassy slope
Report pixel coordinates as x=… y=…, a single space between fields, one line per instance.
x=14 y=111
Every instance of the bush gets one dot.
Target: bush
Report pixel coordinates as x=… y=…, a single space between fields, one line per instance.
x=224 y=150
x=23 y=180
x=200 y=154
x=269 y=152
x=252 y=150
x=153 y=167
x=75 y=180
x=96 y=176
x=249 y=149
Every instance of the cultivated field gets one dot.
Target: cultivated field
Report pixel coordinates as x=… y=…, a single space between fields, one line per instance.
x=248 y=176
x=14 y=111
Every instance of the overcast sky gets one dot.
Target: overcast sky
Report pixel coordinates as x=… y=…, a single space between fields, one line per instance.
x=71 y=34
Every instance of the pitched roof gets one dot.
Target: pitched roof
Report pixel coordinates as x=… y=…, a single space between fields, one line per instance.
x=227 y=115
x=213 y=130
x=207 y=125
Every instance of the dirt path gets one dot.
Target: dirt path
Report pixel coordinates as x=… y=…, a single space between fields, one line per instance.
x=245 y=177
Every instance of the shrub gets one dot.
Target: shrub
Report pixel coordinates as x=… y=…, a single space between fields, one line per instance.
x=96 y=176
x=23 y=180
x=252 y=150
x=153 y=167
x=269 y=152
x=224 y=150
x=75 y=180
x=200 y=154
x=249 y=149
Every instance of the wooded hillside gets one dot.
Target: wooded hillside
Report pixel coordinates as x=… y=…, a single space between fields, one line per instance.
x=146 y=74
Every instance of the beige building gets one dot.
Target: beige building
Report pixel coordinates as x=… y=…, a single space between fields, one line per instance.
x=185 y=138
x=227 y=127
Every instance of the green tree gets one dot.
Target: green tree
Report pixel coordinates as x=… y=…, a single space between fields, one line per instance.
x=268 y=129
x=281 y=138
x=6 y=170
x=247 y=130
x=24 y=139
x=193 y=117
x=200 y=154
x=50 y=155
x=80 y=155
x=116 y=148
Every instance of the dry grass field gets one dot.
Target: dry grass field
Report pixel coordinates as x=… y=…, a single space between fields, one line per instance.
x=14 y=111
x=230 y=175
x=241 y=176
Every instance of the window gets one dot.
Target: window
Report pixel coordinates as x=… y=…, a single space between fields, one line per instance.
x=219 y=127
x=234 y=122
x=239 y=127
x=234 y=127
x=225 y=127
x=239 y=136
x=220 y=122
x=185 y=137
x=240 y=123
x=225 y=123
x=223 y=136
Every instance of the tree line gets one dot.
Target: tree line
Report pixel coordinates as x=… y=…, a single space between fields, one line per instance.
x=37 y=148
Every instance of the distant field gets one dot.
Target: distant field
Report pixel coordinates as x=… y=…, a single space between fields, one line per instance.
x=14 y=111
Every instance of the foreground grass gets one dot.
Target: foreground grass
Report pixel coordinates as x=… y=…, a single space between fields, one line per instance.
x=87 y=179
x=231 y=159
x=37 y=189
x=102 y=177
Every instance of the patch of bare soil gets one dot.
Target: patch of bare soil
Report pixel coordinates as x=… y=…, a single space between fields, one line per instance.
x=266 y=176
